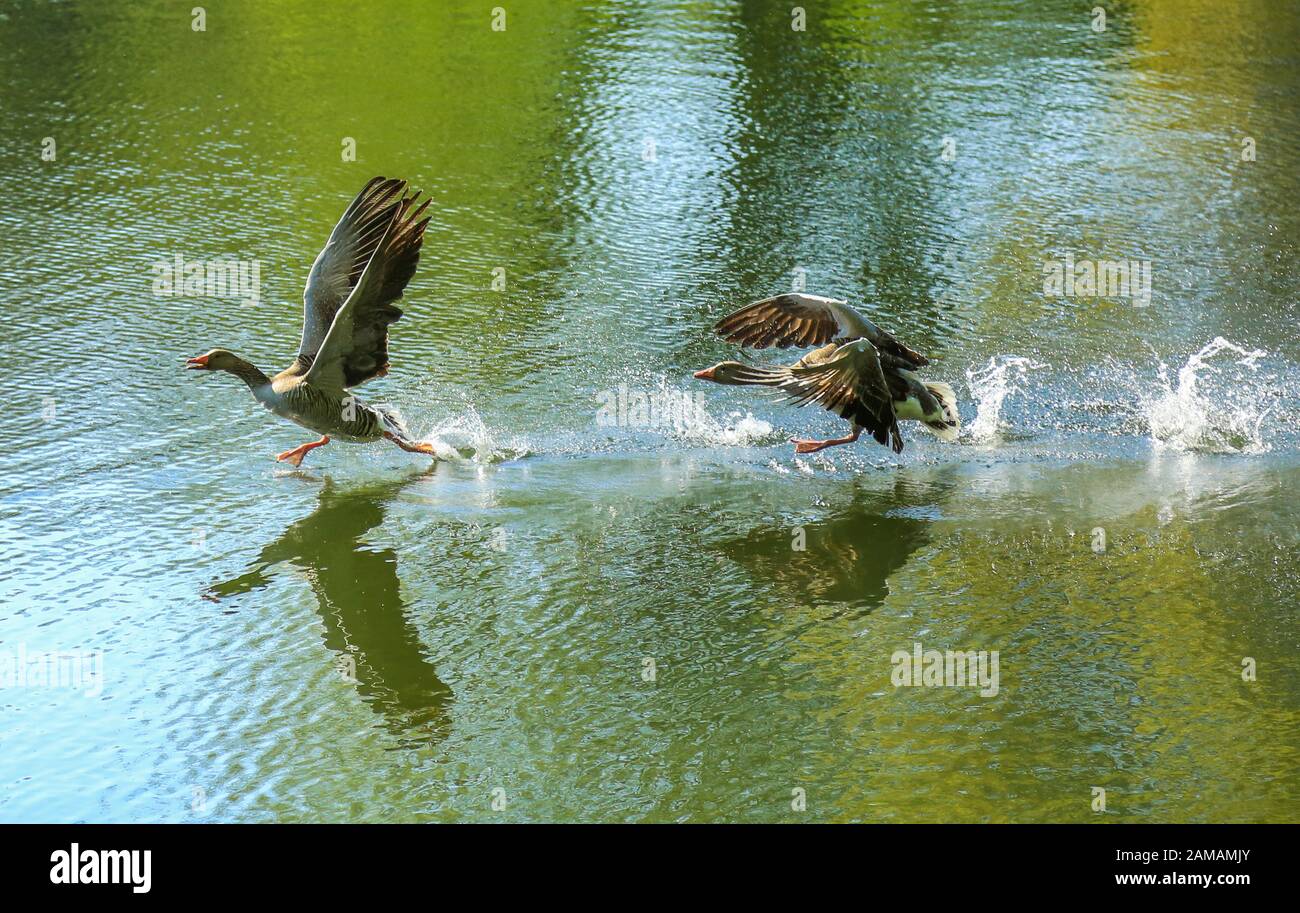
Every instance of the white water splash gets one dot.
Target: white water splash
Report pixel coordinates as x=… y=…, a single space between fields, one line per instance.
x=659 y=406
x=1214 y=408
x=466 y=437
x=990 y=386
x=734 y=430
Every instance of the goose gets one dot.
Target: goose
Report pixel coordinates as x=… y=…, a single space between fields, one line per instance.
x=348 y=304
x=860 y=371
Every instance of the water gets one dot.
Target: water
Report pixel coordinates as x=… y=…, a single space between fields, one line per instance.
x=668 y=617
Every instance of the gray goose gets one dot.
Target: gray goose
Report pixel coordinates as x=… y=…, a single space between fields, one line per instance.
x=348 y=305
x=860 y=372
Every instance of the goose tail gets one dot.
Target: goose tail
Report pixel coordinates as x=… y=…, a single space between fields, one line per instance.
x=392 y=422
x=949 y=428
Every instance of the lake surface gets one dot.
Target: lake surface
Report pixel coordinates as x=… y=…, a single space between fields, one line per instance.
x=665 y=617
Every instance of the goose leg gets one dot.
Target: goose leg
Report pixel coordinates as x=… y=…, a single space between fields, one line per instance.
x=407 y=445
x=806 y=446
x=295 y=455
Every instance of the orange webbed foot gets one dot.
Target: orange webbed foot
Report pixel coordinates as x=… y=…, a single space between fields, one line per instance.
x=411 y=446
x=295 y=455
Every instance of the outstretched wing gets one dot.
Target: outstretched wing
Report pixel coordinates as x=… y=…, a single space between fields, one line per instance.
x=796 y=319
x=851 y=384
x=362 y=271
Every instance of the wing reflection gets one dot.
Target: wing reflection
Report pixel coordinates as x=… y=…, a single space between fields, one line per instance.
x=360 y=603
x=847 y=558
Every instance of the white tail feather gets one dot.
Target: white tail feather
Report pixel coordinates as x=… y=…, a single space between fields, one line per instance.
x=391 y=419
x=947 y=398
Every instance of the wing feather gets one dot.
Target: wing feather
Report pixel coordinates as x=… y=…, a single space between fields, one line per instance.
x=355 y=346
x=339 y=265
x=851 y=383
x=796 y=319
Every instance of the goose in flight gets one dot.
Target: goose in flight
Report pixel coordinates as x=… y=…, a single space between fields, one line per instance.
x=348 y=304
x=860 y=372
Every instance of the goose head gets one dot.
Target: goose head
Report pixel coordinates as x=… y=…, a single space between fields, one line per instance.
x=225 y=360
x=724 y=372
x=215 y=360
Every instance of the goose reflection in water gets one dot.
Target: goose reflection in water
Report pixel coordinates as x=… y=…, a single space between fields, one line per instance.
x=360 y=603
x=848 y=558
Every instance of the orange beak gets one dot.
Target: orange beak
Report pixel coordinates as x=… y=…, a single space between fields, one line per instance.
x=198 y=363
x=706 y=374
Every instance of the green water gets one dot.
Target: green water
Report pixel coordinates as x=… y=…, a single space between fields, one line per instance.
x=573 y=620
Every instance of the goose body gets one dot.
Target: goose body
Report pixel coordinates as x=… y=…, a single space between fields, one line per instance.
x=345 y=418
x=859 y=371
x=349 y=303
